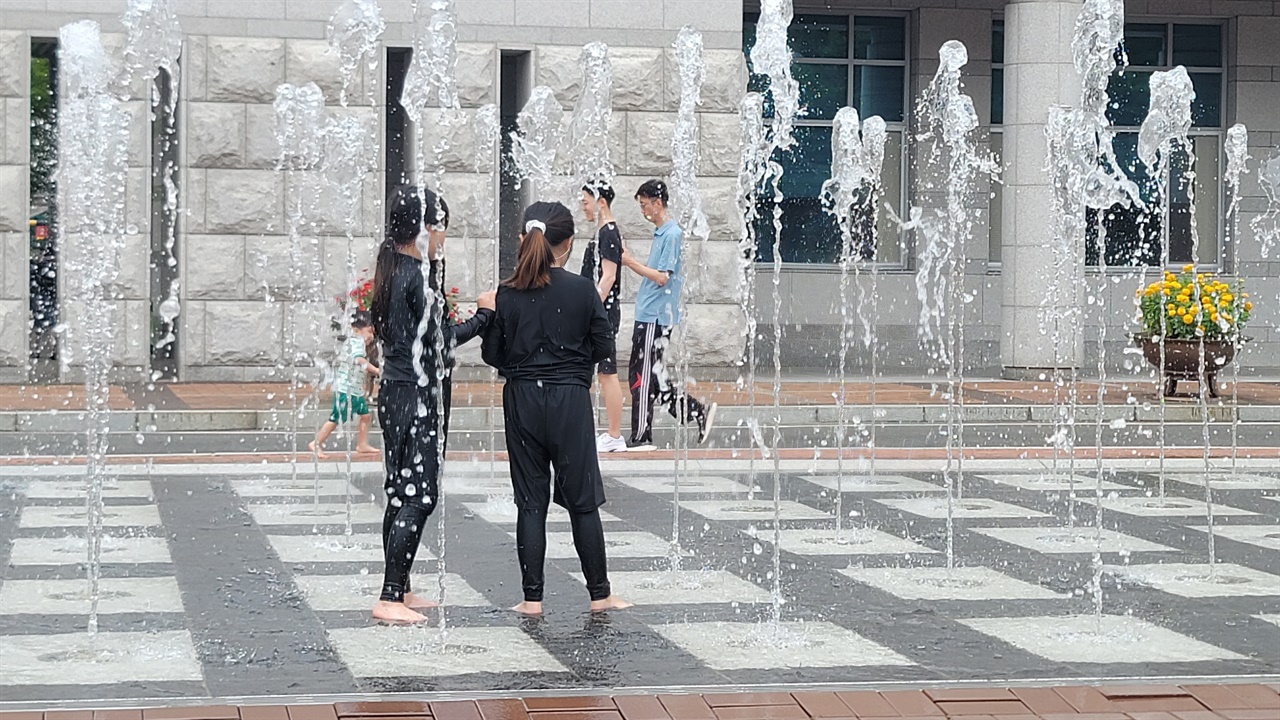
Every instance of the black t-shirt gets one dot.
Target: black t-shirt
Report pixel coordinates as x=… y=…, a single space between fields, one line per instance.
x=556 y=334
x=408 y=304
x=606 y=245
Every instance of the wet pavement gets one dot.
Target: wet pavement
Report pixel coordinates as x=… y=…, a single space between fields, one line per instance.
x=230 y=580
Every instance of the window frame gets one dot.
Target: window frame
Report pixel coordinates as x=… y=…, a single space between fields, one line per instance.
x=1225 y=247
x=901 y=127
x=993 y=129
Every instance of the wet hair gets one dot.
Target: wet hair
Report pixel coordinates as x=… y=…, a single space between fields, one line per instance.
x=404 y=224
x=600 y=191
x=546 y=225
x=360 y=320
x=654 y=189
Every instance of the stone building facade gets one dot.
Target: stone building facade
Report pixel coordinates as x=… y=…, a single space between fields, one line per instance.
x=239 y=291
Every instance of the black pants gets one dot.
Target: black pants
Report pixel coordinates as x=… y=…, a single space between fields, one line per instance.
x=551 y=426
x=411 y=442
x=650 y=382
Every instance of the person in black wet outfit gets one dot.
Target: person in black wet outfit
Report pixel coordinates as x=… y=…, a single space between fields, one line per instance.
x=411 y=394
x=549 y=332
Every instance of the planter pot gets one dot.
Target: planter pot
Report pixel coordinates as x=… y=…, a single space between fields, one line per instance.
x=1182 y=360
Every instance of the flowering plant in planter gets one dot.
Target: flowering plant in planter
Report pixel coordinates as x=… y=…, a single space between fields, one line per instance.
x=1191 y=305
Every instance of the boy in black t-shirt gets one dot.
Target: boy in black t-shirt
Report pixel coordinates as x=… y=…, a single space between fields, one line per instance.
x=601 y=263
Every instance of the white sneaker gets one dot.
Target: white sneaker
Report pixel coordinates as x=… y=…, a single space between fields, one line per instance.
x=607 y=443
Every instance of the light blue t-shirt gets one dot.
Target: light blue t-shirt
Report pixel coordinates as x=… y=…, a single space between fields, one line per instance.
x=661 y=304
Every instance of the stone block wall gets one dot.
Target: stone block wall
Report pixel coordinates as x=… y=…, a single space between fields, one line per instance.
x=241 y=287
x=15 y=78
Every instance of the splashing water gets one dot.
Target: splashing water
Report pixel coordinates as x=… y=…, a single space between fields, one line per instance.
x=1163 y=132
x=686 y=201
x=488 y=148
x=353 y=33
x=93 y=140
x=432 y=81
x=1237 y=150
x=1267 y=225
x=347 y=161
x=300 y=123
x=771 y=57
x=533 y=145
x=588 y=138
x=952 y=164
x=751 y=169
x=857 y=154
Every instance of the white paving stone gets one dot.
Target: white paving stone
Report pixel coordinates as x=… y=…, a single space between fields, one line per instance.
x=684 y=587
x=869 y=484
x=501 y=510
x=1169 y=507
x=284 y=487
x=853 y=541
x=962 y=583
x=360 y=592
x=478 y=484
x=631 y=544
x=379 y=651
x=754 y=510
x=310 y=514
x=1199 y=580
x=104 y=659
x=935 y=507
x=1267 y=536
x=1273 y=619
x=62 y=489
x=71 y=597
x=74 y=551
x=35 y=516
x=739 y=646
x=697 y=485
x=1048 y=481
x=1225 y=481
x=1076 y=639
x=359 y=547
x=1055 y=541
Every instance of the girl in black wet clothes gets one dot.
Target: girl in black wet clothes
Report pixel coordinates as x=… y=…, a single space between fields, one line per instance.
x=408 y=397
x=547 y=336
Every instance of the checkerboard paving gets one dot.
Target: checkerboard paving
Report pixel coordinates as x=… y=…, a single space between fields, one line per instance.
x=206 y=575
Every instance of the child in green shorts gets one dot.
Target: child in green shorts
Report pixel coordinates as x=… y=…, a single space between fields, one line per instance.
x=349 y=388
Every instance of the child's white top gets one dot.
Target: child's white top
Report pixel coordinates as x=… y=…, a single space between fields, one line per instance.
x=351 y=374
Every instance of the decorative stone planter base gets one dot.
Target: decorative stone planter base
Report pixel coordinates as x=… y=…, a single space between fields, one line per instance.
x=1182 y=360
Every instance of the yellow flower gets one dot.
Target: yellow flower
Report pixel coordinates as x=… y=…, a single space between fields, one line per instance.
x=1188 y=319
x=1173 y=311
x=1228 y=297
x=1248 y=306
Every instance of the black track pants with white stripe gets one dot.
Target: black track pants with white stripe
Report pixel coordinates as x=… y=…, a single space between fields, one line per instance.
x=651 y=382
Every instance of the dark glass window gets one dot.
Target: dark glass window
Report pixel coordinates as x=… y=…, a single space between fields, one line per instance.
x=1197 y=45
x=839 y=61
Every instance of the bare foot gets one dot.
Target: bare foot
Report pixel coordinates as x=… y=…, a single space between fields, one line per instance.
x=318 y=452
x=613 y=602
x=366 y=449
x=396 y=613
x=418 y=603
x=528 y=608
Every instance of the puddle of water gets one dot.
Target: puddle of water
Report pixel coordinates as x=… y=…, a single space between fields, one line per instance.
x=1215 y=579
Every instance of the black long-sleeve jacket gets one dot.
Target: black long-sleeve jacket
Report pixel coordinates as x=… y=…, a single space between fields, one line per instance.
x=408 y=304
x=556 y=334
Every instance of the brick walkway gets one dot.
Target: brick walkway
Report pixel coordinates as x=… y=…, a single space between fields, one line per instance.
x=1107 y=702
x=268 y=396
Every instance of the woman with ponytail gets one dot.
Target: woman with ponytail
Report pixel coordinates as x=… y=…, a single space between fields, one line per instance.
x=412 y=443
x=549 y=332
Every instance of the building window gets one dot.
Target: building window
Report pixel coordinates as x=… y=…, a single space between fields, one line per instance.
x=840 y=60
x=994 y=220
x=1134 y=236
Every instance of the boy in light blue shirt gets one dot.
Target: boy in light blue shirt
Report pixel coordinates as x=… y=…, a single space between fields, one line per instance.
x=656 y=313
